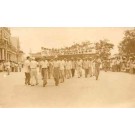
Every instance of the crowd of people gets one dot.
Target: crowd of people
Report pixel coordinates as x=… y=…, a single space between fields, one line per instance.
x=10 y=66
x=120 y=64
x=60 y=69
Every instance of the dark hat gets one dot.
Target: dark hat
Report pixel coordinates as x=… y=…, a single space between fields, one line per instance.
x=27 y=57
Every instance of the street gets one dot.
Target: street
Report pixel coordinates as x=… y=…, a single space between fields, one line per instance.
x=113 y=89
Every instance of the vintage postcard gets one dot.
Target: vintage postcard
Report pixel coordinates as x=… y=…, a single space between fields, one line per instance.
x=67 y=67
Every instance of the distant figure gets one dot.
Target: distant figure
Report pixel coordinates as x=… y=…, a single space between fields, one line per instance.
x=131 y=66
x=65 y=70
x=12 y=66
x=20 y=66
x=68 y=68
x=1 y=66
x=7 y=65
x=90 y=67
x=62 y=64
x=73 y=67
x=118 y=65
x=105 y=65
x=50 y=69
x=79 y=67
x=27 y=70
x=86 y=67
x=97 y=62
x=16 y=67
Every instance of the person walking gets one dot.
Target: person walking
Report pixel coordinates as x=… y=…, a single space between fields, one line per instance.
x=97 y=62
x=86 y=67
x=118 y=64
x=44 y=70
x=90 y=67
x=12 y=66
x=62 y=64
x=16 y=67
x=134 y=66
x=65 y=65
x=68 y=68
x=105 y=65
x=79 y=67
x=27 y=70
x=33 y=71
x=73 y=67
x=7 y=65
x=1 y=67
x=20 y=66
x=50 y=69
x=131 y=66
x=56 y=71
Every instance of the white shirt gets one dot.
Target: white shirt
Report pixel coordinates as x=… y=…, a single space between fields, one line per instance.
x=79 y=63
x=33 y=64
x=73 y=63
x=26 y=66
x=68 y=65
x=44 y=64
x=90 y=63
x=62 y=64
x=86 y=64
x=56 y=64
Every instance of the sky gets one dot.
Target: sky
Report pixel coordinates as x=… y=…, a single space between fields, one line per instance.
x=56 y=37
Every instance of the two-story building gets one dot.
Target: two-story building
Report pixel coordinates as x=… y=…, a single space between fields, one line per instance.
x=9 y=46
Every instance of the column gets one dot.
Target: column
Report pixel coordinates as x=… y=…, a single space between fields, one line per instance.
x=3 y=54
x=7 y=57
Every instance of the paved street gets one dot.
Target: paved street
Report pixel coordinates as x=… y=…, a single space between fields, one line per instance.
x=111 y=90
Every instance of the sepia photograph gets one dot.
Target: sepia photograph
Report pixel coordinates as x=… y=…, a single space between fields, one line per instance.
x=67 y=67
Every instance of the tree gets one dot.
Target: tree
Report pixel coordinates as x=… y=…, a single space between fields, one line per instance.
x=103 y=48
x=127 y=45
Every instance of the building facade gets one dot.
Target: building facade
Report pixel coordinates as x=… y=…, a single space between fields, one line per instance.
x=9 y=46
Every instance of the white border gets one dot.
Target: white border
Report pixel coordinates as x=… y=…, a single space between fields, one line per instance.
x=69 y=13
